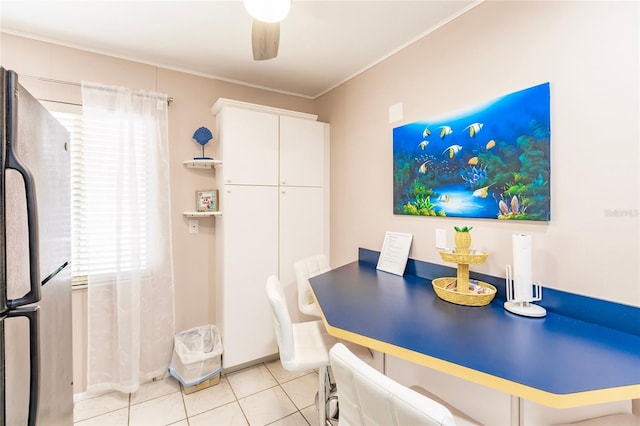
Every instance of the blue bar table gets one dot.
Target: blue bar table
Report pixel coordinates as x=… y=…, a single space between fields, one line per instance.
x=585 y=351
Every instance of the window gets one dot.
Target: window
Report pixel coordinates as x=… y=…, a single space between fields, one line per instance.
x=71 y=119
x=93 y=189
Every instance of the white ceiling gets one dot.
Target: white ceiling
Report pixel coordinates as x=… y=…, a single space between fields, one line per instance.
x=322 y=43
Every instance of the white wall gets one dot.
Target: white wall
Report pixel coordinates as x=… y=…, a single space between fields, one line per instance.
x=193 y=98
x=589 y=52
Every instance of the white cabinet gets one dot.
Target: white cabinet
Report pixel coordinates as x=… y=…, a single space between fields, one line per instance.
x=302 y=152
x=250 y=146
x=274 y=200
x=302 y=232
x=249 y=224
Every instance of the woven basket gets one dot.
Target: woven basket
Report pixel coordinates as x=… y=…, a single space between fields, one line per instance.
x=471 y=258
x=466 y=299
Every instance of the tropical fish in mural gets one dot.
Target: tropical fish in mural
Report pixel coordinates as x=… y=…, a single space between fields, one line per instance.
x=482 y=192
x=472 y=161
x=453 y=150
x=491 y=144
x=444 y=198
x=423 y=144
x=423 y=167
x=446 y=130
x=474 y=176
x=426 y=132
x=474 y=128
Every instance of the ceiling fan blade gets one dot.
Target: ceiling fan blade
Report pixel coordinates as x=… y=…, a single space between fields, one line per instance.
x=265 y=38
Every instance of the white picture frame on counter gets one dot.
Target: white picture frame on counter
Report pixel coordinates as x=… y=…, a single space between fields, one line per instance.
x=395 y=252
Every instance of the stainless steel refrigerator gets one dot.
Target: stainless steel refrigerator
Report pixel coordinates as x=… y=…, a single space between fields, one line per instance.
x=36 y=370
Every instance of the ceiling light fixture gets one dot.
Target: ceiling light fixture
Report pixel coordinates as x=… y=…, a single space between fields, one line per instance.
x=268 y=10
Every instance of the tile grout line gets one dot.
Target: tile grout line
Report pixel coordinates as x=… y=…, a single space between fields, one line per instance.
x=290 y=399
x=101 y=414
x=285 y=392
x=184 y=404
x=235 y=395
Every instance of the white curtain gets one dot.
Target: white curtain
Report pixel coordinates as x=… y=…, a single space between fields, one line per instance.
x=129 y=261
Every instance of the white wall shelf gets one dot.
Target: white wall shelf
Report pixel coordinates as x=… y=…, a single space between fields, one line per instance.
x=201 y=214
x=202 y=164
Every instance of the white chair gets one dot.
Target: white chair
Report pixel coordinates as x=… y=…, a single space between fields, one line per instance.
x=305 y=269
x=368 y=397
x=302 y=346
x=310 y=267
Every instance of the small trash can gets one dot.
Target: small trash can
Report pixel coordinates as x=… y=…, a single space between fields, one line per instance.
x=197 y=358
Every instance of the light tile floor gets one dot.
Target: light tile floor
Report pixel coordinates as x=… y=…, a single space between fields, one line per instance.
x=264 y=394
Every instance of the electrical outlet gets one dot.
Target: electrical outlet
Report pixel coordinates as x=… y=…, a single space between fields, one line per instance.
x=395 y=112
x=193 y=226
x=441 y=238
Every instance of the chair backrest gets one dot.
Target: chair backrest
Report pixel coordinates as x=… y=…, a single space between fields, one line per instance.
x=305 y=269
x=281 y=319
x=368 y=397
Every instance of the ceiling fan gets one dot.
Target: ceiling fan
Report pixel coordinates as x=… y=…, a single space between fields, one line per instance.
x=265 y=29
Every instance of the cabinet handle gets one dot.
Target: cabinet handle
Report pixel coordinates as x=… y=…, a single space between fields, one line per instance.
x=228 y=191
x=228 y=180
x=284 y=191
x=284 y=182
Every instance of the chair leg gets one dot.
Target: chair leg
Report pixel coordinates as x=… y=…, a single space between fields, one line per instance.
x=333 y=411
x=331 y=397
x=325 y=396
x=322 y=396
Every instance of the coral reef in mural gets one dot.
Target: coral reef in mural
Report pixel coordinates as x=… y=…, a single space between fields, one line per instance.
x=488 y=162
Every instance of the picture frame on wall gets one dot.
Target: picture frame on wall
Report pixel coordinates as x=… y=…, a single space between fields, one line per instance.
x=207 y=200
x=490 y=161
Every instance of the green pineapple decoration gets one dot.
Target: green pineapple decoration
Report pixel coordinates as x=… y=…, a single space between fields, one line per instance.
x=463 y=239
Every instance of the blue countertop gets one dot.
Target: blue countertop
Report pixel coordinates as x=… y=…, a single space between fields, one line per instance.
x=561 y=360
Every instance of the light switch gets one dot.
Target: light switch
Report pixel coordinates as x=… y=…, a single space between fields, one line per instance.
x=441 y=238
x=193 y=226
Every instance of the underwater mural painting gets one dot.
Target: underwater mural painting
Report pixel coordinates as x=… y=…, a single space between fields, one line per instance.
x=491 y=161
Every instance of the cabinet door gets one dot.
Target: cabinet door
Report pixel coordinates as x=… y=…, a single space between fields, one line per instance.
x=302 y=152
x=250 y=253
x=249 y=146
x=303 y=233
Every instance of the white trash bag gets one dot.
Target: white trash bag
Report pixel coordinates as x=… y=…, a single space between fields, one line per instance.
x=196 y=355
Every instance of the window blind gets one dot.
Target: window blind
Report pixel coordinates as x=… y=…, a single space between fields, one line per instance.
x=94 y=175
x=73 y=123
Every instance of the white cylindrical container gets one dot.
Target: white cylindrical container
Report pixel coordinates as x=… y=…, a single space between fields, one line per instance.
x=522 y=273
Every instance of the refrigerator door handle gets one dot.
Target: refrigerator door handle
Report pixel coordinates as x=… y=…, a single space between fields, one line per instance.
x=12 y=162
x=32 y=314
